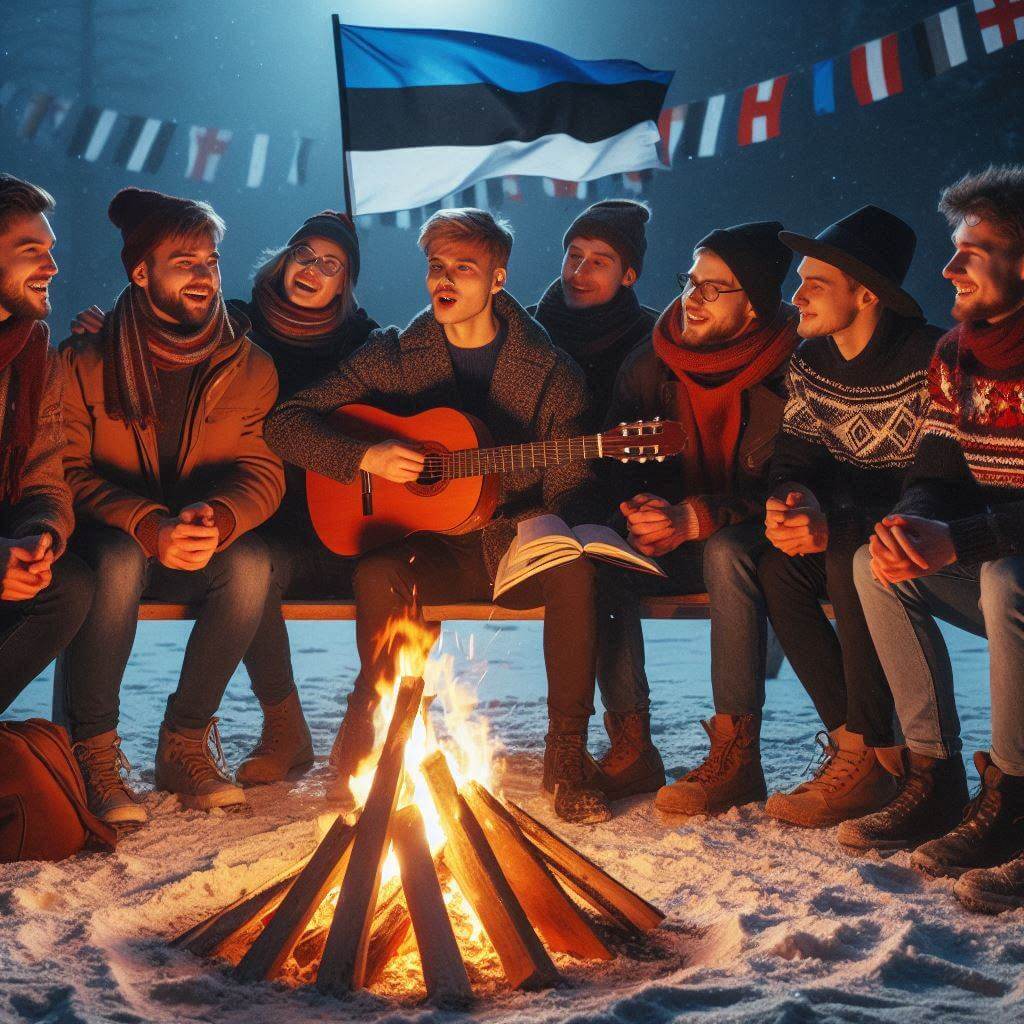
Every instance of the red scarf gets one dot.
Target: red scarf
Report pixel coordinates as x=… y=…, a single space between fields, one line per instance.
x=995 y=346
x=713 y=414
x=291 y=323
x=23 y=344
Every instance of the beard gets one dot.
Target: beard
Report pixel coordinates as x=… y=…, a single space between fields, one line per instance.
x=171 y=304
x=20 y=303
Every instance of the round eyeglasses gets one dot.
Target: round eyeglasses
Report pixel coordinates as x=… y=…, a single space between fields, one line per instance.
x=329 y=266
x=708 y=290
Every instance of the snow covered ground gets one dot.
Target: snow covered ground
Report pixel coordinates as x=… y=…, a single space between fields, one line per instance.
x=765 y=923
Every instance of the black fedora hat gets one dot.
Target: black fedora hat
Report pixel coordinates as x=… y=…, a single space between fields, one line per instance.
x=873 y=246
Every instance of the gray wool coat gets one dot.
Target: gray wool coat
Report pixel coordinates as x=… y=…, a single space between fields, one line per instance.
x=537 y=393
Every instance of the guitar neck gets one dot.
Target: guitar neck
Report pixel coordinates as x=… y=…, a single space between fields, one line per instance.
x=508 y=457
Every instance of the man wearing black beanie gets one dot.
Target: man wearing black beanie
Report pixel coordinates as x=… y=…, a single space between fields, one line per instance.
x=591 y=310
x=716 y=361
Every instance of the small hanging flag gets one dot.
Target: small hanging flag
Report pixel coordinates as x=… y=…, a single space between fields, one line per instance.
x=702 y=124
x=1001 y=22
x=144 y=144
x=940 y=42
x=92 y=132
x=258 y=160
x=300 y=161
x=824 y=79
x=875 y=69
x=205 y=148
x=670 y=128
x=761 y=110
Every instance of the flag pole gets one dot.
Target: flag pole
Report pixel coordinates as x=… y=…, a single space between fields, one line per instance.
x=339 y=58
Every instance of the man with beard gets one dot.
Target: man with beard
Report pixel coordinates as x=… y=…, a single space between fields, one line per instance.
x=170 y=474
x=591 y=310
x=952 y=550
x=857 y=396
x=717 y=363
x=44 y=593
x=475 y=349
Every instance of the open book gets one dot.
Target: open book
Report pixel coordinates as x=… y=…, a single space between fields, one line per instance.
x=546 y=541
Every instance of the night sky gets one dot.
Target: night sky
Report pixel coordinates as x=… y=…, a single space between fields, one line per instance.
x=269 y=67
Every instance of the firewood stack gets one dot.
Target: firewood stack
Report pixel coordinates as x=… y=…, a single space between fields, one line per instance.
x=513 y=872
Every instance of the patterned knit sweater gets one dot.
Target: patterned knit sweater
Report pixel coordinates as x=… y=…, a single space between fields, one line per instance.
x=851 y=426
x=970 y=468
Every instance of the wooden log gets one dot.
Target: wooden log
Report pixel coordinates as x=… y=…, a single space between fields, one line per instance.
x=323 y=872
x=208 y=936
x=472 y=862
x=391 y=928
x=343 y=965
x=605 y=894
x=444 y=972
x=550 y=911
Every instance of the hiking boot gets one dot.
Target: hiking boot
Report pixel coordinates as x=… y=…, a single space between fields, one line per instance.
x=284 y=745
x=928 y=803
x=632 y=764
x=849 y=783
x=729 y=776
x=186 y=765
x=991 y=832
x=992 y=890
x=102 y=762
x=354 y=743
x=571 y=777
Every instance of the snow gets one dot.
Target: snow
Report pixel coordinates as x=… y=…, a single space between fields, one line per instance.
x=765 y=923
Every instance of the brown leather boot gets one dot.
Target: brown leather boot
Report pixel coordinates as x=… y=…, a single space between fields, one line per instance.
x=992 y=890
x=186 y=765
x=850 y=782
x=353 y=745
x=284 y=745
x=102 y=762
x=570 y=777
x=730 y=775
x=632 y=764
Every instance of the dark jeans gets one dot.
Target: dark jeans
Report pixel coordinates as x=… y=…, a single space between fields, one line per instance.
x=839 y=667
x=230 y=592
x=431 y=568
x=303 y=567
x=34 y=632
x=725 y=565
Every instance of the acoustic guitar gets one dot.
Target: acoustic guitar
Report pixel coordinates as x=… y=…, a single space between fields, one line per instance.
x=458 y=489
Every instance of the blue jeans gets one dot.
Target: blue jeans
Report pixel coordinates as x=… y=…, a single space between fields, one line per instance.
x=986 y=600
x=230 y=593
x=726 y=566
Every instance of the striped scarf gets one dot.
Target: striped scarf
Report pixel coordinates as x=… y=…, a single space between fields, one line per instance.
x=136 y=343
x=23 y=344
x=293 y=324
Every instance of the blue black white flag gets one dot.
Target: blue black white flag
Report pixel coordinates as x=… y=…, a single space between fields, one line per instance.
x=429 y=112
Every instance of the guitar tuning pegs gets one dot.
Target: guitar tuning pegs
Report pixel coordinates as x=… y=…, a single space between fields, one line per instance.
x=643 y=458
x=659 y=458
x=657 y=419
x=623 y=461
x=623 y=423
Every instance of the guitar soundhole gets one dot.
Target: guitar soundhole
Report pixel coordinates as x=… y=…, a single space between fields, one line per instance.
x=432 y=480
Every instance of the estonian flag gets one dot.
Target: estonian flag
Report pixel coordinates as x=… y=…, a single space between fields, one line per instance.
x=427 y=112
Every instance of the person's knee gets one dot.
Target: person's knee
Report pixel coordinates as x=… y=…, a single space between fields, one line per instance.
x=576 y=577
x=774 y=568
x=729 y=554
x=381 y=573
x=118 y=564
x=863 y=577
x=1002 y=587
x=246 y=563
x=74 y=584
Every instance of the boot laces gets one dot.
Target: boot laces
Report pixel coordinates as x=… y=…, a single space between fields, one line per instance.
x=911 y=795
x=104 y=765
x=831 y=765
x=568 y=756
x=200 y=763
x=719 y=758
x=980 y=814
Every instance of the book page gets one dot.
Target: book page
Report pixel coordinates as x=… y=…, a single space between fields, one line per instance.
x=604 y=543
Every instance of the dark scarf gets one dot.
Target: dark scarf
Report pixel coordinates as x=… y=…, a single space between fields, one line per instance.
x=998 y=346
x=713 y=414
x=587 y=332
x=135 y=343
x=23 y=344
x=293 y=324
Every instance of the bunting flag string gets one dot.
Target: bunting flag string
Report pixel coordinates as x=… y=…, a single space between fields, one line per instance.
x=727 y=122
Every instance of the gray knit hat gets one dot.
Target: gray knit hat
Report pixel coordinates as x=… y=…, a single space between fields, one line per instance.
x=338 y=227
x=620 y=223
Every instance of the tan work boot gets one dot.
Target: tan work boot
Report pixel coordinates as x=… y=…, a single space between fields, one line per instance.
x=102 y=761
x=185 y=765
x=284 y=745
x=632 y=764
x=730 y=775
x=849 y=783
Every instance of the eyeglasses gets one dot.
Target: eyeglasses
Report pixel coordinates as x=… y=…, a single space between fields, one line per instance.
x=329 y=266
x=708 y=291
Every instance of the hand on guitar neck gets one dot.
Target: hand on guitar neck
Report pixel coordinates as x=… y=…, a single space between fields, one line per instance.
x=394 y=461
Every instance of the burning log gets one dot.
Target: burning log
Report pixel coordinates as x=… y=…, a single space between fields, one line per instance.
x=550 y=911
x=444 y=972
x=323 y=872
x=609 y=897
x=343 y=965
x=472 y=862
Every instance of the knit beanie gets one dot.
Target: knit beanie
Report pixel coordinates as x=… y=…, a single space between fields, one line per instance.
x=757 y=258
x=339 y=228
x=145 y=217
x=620 y=223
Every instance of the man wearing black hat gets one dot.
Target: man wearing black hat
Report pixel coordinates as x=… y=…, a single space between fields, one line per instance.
x=591 y=310
x=857 y=397
x=717 y=362
x=164 y=410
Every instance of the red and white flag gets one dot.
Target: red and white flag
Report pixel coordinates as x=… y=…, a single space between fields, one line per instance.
x=761 y=110
x=205 y=148
x=510 y=186
x=558 y=189
x=670 y=128
x=1001 y=22
x=875 y=68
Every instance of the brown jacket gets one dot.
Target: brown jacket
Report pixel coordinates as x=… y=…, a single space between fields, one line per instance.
x=45 y=502
x=113 y=468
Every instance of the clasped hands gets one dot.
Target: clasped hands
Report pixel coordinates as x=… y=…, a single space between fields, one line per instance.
x=656 y=526
x=794 y=522
x=188 y=540
x=26 y=564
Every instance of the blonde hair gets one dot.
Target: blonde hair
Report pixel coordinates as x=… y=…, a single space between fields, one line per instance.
x=466 y=223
